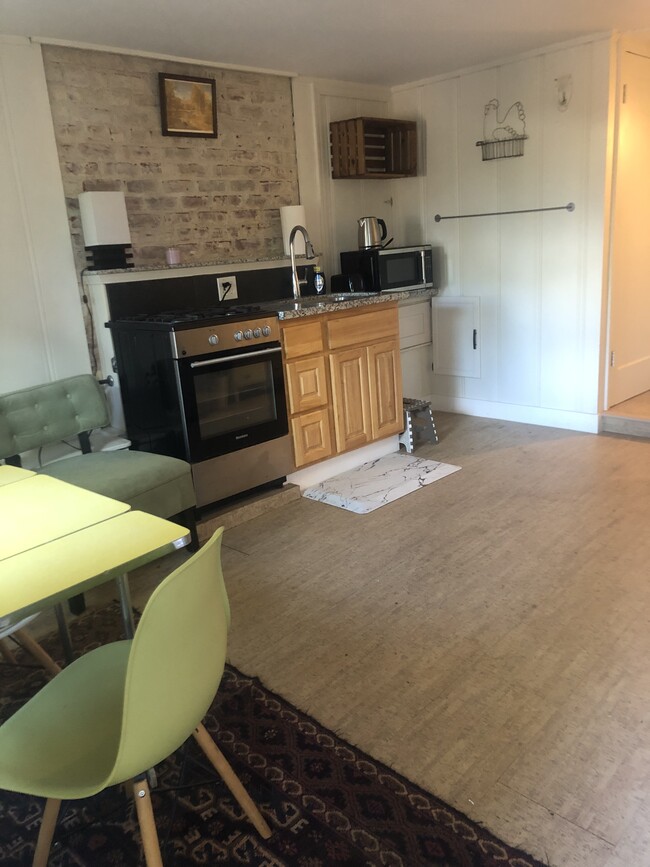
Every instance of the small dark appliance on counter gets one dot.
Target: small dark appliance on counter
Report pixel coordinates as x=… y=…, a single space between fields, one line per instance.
x=390 y=269
x=347 y=283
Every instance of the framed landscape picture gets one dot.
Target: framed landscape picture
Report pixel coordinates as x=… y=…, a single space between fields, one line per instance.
x=188 y=106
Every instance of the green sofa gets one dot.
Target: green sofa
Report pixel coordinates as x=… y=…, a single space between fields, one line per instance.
x=44 y=414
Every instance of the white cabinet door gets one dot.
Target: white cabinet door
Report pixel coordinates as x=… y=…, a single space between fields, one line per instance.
x=416 y=371
x=415 y=348
x=456 y=336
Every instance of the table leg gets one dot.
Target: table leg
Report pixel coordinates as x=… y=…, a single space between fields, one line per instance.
x=125 y=602
x=64 y=633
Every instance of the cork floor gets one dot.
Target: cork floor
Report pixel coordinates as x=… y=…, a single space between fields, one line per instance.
x=487 y=635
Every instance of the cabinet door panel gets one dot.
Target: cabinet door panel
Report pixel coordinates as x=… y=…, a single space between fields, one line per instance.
x=312 y=439
x=351 y=399
x=385 y=389
x=456 y=346
x=417 y=378
x=307 y=383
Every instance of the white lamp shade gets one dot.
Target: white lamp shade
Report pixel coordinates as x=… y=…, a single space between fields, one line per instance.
x=290 y=216
x=103 y=218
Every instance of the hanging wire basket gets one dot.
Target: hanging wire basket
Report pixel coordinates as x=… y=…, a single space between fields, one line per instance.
x=499 y=149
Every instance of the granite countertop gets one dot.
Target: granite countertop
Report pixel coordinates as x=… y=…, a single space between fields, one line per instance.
x=313 y=305
x=184 y=266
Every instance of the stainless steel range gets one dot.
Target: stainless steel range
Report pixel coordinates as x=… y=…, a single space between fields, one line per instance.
x=207 y=386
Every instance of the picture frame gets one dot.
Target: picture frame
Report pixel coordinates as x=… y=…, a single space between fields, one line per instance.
x=188 y=105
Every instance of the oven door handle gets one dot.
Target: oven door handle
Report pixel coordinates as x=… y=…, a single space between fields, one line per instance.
x=227 y=358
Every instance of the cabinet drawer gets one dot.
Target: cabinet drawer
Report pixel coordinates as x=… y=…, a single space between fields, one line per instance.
x=304 y=338
x=306 y=383
x=415 y=324
x=362 y=328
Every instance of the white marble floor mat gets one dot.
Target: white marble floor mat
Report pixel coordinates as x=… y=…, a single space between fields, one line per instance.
x=371 y=485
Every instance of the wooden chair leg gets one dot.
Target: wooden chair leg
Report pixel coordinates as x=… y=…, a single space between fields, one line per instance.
x=44 y=842
x=37 y=651
x=230 y=778
x=147 y=823
x=5 y=650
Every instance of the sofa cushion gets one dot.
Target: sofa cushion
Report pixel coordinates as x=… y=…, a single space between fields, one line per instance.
x=156 y=484
x=33 y=417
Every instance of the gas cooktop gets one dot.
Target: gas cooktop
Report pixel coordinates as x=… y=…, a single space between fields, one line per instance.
x=178 y=319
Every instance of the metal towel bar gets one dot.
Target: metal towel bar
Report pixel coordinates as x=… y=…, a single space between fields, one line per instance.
x=570 y=207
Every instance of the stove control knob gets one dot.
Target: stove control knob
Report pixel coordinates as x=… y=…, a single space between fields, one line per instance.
x=266 y=331
x=213 y=340
x=248 y=334
x=257 y=332
x=239 y=335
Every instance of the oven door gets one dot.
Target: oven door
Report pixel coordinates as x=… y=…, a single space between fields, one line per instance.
x=232 y=400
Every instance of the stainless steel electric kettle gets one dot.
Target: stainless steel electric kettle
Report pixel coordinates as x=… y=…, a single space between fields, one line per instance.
x=369 y=232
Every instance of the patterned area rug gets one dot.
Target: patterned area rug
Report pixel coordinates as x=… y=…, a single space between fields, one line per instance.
x=378 y=482
x=328 y=803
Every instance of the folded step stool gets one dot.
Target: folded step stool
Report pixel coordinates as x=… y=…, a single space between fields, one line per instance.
x=418 y=419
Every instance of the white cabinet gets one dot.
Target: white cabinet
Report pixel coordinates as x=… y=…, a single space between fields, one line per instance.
x=456 y=336
x=415 y=347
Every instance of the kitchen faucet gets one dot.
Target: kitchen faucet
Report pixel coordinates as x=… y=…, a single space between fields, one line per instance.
x=296 y=282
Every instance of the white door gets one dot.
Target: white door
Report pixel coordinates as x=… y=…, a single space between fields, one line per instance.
x=629 y=318
x=456 y=348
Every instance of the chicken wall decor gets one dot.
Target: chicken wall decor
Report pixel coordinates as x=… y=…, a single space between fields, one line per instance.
x=504 y=133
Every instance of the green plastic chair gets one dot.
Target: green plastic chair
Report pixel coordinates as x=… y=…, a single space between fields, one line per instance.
x=121 y=709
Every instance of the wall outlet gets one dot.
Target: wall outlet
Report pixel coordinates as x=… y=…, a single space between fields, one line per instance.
x=227 y=288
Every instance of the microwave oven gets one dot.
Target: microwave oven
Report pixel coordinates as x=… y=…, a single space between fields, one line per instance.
x=391 y=269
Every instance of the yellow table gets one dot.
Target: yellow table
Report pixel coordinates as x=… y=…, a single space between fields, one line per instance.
x=13 y=474
x=58 y=540
x=38 y=509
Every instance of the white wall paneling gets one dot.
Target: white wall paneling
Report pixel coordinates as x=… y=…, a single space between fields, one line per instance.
x=42 y=333
x=340 y=202
x=539 y=275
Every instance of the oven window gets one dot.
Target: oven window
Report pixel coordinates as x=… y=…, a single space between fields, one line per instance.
x=235 y=399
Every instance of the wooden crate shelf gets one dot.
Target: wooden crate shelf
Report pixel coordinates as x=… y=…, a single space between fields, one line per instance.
x=373 y=147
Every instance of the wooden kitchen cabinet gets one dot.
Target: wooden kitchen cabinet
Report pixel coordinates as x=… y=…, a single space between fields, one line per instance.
x=308 y=392
x=344 y=381
x=307 y=383
x=351 y=398
x=373 y=147
x=385 y=382
x=312 y=438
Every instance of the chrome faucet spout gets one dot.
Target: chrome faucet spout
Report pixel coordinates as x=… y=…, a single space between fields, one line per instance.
x=296 y=282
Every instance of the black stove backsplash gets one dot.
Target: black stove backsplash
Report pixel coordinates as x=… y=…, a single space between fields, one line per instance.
x=200 y=291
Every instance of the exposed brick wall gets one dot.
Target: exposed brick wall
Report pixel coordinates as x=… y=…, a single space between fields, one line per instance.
x=215 y=199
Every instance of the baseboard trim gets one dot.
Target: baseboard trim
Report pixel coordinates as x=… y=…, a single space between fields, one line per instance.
x=625 y=426
x=317 y=473
x=580 y=421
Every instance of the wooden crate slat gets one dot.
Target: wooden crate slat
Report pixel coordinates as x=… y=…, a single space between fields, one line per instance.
x=371 y=147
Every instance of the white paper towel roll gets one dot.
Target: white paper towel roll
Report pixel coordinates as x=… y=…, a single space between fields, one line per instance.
x=290 y=216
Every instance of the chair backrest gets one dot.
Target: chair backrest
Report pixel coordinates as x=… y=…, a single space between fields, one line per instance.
x=34 y=417
x=175 y=663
